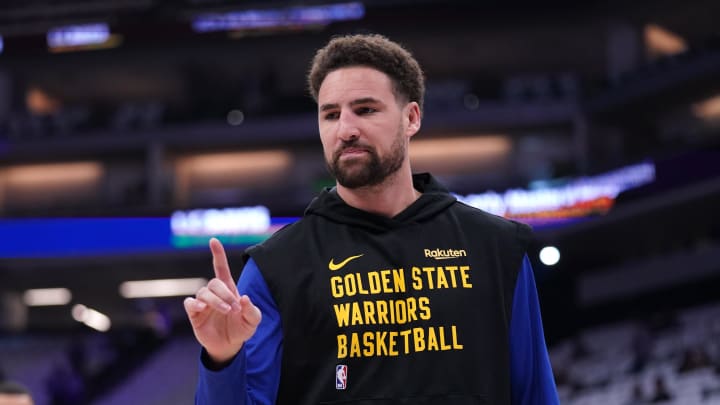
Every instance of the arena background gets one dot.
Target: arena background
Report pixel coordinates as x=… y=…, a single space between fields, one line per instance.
x=131 y=131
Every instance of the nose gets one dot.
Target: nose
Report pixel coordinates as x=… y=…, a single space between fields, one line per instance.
x=347 y=126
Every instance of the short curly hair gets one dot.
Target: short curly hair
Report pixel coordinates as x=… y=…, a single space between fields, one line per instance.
x=374 y=51
x=13 y=388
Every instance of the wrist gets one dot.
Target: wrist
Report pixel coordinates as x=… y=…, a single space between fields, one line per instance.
x=217 y=361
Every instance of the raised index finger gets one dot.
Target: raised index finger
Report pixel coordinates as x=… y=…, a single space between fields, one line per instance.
x=221 y=266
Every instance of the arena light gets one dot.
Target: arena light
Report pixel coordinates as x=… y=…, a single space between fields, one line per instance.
x=47 y=296
x=278 y=18
x=39 y=102
x=226 y=221
x=90 y=317
x=53 y=174
x=230 y=169
x=708 y=109
x=82 y=37
x=161 y=288
x=453 y=154
x=576 y=198
x=661 y=41
x=550 y=255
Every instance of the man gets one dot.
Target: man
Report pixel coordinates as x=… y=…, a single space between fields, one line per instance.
x=14 y=394
x=388 y=290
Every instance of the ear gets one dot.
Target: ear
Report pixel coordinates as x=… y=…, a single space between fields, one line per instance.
x=413 y=118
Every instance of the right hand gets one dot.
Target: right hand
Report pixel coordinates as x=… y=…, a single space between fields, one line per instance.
x=221 y=319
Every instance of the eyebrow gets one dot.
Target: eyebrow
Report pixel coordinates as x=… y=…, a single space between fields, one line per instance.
x=364 y=100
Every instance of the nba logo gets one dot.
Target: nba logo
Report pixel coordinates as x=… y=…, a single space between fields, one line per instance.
x=341 y=377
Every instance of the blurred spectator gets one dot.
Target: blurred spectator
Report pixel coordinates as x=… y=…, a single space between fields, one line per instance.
x=642 y=343
x=693 y=359
x=12 y=393
x=637 y=397
x=580 y=349
x=714 y=343
x=662 y=393
x=711 y=393
x=561 y=374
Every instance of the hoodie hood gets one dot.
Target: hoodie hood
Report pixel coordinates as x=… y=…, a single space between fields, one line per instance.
x=434 y=199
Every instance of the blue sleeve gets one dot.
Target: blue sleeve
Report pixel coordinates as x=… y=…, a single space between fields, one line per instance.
x=531 y=375
x=253 y=377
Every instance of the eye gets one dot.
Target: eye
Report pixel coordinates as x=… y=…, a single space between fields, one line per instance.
x=333 y=115
x=365 y=110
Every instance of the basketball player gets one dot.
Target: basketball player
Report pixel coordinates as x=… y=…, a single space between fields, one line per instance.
x=388 y=290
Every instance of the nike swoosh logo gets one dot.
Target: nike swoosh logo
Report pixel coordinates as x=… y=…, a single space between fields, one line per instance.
x=332 y=266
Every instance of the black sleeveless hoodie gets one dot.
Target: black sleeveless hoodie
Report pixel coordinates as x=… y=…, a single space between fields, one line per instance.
x=413 y=309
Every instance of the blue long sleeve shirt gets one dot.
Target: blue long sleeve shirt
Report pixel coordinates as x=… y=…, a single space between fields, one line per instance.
x=253 y=377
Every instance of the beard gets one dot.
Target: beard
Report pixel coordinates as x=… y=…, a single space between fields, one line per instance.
x=370 y=170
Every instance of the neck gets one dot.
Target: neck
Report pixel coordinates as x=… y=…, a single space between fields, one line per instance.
x=388 y=198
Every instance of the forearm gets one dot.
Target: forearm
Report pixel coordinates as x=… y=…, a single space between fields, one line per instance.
x=223 y=384
x=252 y=376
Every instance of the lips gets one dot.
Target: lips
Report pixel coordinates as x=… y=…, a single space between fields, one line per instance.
x=352 y=151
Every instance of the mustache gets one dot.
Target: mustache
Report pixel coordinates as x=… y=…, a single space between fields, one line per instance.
x=352 y=144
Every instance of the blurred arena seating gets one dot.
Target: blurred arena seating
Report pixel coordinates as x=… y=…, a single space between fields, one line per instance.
x=608 y=364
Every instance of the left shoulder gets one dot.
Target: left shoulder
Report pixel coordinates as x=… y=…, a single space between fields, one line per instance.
x=490 y=222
